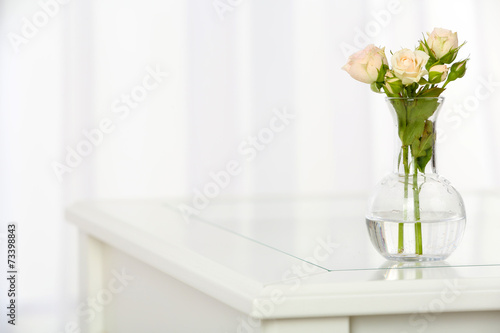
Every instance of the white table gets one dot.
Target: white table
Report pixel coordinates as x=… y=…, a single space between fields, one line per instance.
x=277 y=264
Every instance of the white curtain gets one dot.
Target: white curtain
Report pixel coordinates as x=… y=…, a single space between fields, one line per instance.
x=115 y=99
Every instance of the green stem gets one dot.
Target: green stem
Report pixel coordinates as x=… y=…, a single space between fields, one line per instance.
x=405 y=207
x=416 y=205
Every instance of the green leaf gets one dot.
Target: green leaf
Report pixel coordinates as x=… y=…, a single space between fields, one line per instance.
x=381 y=73
x=423 y=160
x=415 y=149
x=421 y=149
x=423 y=81
x=433 y=92
x=426 y=142
x=374 y=86
x=428 y=137
x=449 y=57
x=421 y=109
x=412 y=132
x=420 y=146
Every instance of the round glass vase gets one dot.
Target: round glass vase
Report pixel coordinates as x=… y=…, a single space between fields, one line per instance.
x=414 y=214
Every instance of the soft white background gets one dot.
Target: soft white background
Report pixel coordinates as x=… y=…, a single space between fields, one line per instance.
x=225 y=78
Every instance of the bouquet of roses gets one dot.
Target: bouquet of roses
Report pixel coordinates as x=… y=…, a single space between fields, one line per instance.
x=412 y=83
x=409 y=68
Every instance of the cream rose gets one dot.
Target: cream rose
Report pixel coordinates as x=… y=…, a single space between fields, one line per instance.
x=441 y=41
x=409 y=66
x=365 y=65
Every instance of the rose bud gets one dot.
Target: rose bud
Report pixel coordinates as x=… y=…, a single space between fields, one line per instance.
x=438 y=73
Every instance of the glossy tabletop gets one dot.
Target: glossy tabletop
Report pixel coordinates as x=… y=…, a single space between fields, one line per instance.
x=295 y=226
x=314 y=249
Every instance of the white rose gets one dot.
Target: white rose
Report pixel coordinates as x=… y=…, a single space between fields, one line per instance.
x=441 y=41
x=365 y=65
x=409 y=66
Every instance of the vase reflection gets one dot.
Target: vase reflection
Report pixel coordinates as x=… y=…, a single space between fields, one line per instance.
x=395 y=270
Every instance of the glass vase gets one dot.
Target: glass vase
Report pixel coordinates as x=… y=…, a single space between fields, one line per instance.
x=414 y=214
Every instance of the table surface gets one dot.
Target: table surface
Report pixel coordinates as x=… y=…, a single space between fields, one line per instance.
x=312 y=251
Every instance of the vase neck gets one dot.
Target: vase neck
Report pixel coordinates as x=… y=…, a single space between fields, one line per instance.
x=415 y=134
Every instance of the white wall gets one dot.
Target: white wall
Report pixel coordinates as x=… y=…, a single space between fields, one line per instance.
x=226 y=76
